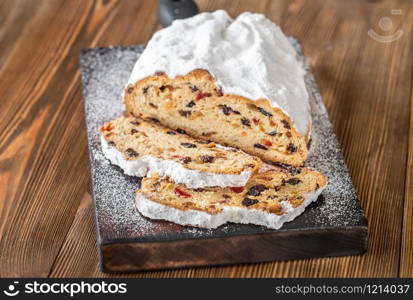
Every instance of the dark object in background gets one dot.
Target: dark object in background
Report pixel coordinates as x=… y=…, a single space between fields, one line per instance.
x=170 y=10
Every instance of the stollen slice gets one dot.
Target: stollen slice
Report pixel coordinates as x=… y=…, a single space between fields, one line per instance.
x=140 y=147
x=270 y=199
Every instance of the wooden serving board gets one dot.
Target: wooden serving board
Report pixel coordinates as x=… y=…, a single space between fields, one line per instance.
x=334 y=225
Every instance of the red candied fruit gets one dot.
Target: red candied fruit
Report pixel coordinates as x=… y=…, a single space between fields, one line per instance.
x=201 y=95
x=237 y=189
x=182 y=193
x=266 y=142
x=107 y=127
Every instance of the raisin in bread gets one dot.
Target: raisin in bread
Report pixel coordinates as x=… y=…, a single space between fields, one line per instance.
x=194 y=104
x=270 y=198
x=139 y=146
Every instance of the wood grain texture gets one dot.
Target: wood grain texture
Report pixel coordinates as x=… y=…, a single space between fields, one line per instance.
x=406 y=258
x=46 y=221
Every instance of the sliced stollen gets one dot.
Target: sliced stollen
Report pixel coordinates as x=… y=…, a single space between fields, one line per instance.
x=195 y=104
x=138 y=147
x=270 y=198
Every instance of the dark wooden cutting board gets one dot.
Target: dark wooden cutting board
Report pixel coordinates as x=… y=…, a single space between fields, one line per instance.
x=334 y=225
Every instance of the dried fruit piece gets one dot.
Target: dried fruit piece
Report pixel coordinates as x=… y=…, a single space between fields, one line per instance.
x=286 y=124
x=159 y=73
x=186 y=160
x=190 y=104
x=226 y=110
x=245 y=122
x=133 y=131
x=181 y=131
x=219 y=92
x=154 y=120
x=288 y=134
x=131 y=153
x=171 y=132
x=236 y=189
x=293 y=181
x=255 y=120
x=201 y=95
x=130 y=89
x=107 y=127
x=266 y=142
x=193 y=87
x=264 y=112
x=184 y=113
x=249 y=202
x=259 y=146
x=291 y=148
x=145 y=89
x=182 y=193
x=135 y=123
x=256 y=190
x=188 y=145
x=112 y=144
x=206 y=158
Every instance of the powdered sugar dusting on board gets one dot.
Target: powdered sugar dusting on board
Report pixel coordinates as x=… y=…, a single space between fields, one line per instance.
x=105 y=71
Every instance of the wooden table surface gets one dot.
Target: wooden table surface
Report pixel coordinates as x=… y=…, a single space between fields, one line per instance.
x=46 y=214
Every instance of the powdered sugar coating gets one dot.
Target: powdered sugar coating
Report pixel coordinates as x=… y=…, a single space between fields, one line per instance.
x=104 y=73
x=234 y=214
x=217 y=43
x=149 y=164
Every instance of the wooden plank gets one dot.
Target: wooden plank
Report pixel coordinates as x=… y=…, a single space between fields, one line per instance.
x=37 y=143
x=366 y=103
x=44 y=165
x=81 y=232
x=406 y=259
